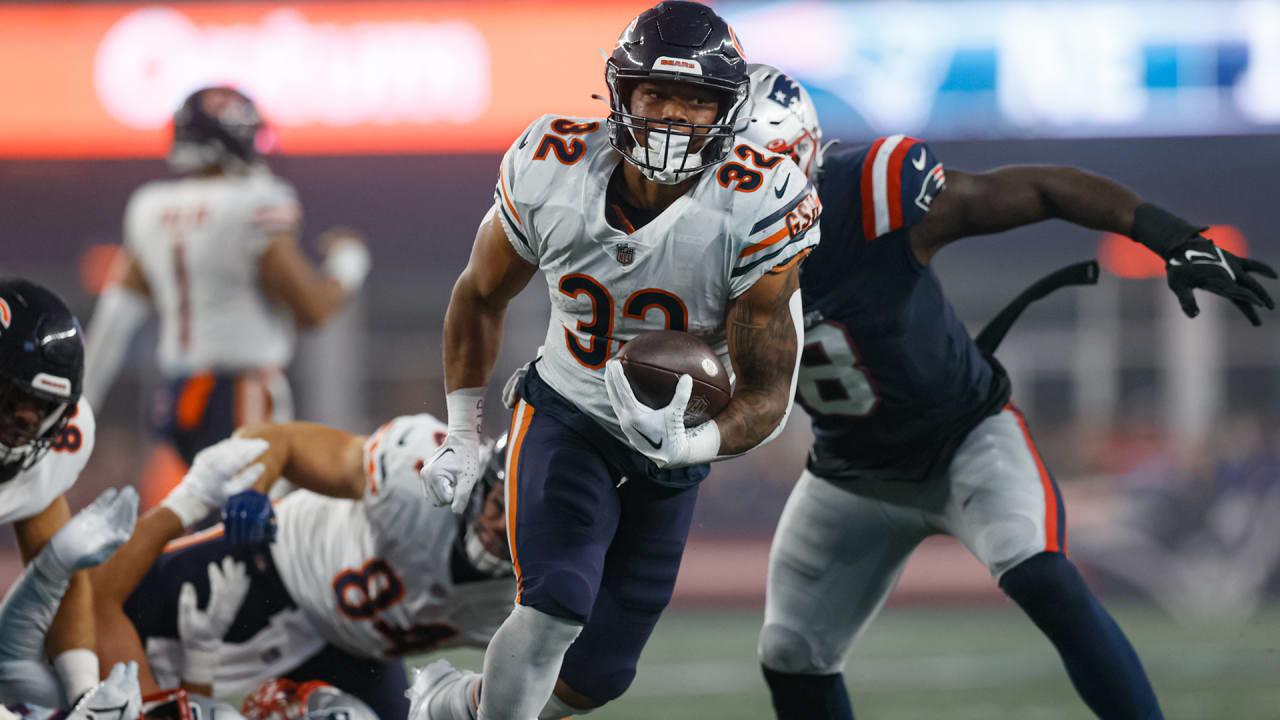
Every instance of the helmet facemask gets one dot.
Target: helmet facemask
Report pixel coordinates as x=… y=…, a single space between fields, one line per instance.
x=483 y=535
x=670 y=152
x=29 y=421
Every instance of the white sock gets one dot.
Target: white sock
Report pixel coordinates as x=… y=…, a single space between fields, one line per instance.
x=555 y=709
x=523 y=662
x=456 y=702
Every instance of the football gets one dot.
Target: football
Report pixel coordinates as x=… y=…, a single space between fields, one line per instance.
x=654 y=362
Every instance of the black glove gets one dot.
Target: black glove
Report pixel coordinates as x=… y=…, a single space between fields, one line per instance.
x=1199 y=264
x=1192 y=262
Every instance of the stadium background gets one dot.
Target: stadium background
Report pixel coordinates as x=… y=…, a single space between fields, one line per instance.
x=390 y=117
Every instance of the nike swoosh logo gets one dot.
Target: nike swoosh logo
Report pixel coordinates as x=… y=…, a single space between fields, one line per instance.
x=656 y=445
x=778 y=191
x=523 y=141
x=1193 y=254
x=918 y=163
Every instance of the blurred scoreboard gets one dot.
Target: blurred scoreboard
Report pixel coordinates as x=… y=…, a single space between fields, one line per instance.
x=101 y=80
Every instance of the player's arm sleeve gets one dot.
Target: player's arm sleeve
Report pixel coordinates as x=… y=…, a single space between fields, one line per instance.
x=900 y=177
x=274 y=210
x=782 y=232
x=521 y=178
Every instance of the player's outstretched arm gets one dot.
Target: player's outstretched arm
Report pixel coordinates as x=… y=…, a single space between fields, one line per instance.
x=287 y=275
x=472 y=335
x=314 y=457
x=121 y=310
x=1004 y=198
x=764 y=326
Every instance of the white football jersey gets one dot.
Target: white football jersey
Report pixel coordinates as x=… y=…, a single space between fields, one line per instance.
x=199 y=241
x=29 y=492
x=744 y=217
x=373 y=575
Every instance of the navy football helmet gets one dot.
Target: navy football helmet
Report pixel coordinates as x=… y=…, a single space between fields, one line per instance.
x=689 y=43
x=41 y=371
x=215 y=127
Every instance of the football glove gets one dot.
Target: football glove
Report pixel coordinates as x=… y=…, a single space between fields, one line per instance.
x=452 y=471
x=1200 y=264
x=219 y=471
x=660 y=435
x=201 y=631
x=117 y=698
x=249 y=519
x=92 y=534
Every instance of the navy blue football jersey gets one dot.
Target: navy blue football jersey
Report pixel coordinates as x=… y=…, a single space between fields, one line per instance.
x=888 y=373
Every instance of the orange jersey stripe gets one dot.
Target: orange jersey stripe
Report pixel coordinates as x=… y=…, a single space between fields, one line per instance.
x=193 y=399
x=784 y=232
x=181 y=543
x=520 y=421
x=505 y=198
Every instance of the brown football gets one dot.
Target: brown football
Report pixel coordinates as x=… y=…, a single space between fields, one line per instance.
x=654 y=362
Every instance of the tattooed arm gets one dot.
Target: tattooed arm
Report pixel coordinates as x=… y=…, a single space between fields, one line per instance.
x=764 y=326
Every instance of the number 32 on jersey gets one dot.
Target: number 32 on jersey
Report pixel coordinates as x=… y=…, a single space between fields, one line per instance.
x=599 y=330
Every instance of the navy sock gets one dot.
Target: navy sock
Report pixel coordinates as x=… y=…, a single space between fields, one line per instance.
x=808 y=697
x=1100 y=661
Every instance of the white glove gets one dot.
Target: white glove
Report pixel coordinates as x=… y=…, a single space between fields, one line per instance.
x=453 y=469
x=116 y=698
x=201 y=631
x=660 y=435
x=92 y=534
x=219 y=471
x=346 y=257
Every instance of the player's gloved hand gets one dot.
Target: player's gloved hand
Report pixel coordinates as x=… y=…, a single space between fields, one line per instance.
x=117 y=698
x=92 y=534
x=452 y=471
x=660 y=435
x=249 y=519
x=201 y=631
x=219 y=471
x=346 y=257
x=1200 y=264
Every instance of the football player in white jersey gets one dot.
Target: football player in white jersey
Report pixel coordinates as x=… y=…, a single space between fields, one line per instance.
x=363 y=569
x=657 y=218
x=46 y=437
x=216 y=254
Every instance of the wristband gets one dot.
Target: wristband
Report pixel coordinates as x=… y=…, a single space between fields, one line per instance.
x=1161 y=230
x=189 y=508
x=466 y=410
x=78 y=670
x=198 y=666
x=348 y=263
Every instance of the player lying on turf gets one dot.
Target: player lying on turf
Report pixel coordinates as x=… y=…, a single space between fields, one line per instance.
x=46 y=437
x=216 y=254
x=914 y=433
x=654 y=219
x=363 y=569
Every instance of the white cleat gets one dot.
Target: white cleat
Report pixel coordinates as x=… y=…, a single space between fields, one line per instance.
x=436 y=695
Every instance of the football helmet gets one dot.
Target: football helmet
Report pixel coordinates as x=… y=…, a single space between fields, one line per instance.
x=41 y=371
x=783 y=118
x=284 y=699
x=215 y=127
x=689 y=43
x=486 y=550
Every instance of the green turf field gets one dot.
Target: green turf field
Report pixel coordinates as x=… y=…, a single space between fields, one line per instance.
x=952 y=664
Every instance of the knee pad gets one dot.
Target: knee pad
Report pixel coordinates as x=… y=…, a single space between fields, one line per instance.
x=563 y=592
x=787 y=651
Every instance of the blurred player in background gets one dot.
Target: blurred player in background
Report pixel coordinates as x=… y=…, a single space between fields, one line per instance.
x=216 y=253
x=363 y=569
x=46 y=437
x=914 y=431
x=662 y=212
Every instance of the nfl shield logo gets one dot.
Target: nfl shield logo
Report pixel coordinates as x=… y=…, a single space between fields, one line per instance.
x=626 y=253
